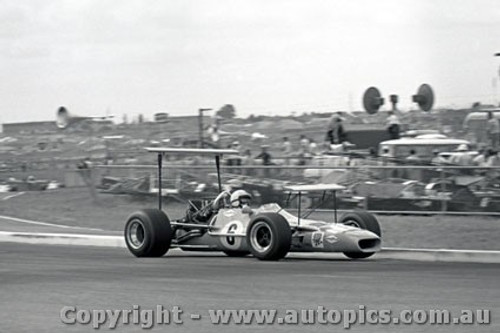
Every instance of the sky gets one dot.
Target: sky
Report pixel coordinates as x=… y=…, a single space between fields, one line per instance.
x=268 y=57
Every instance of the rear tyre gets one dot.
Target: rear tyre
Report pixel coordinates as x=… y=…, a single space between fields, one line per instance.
x=269 y=236
x=362 y=220
x=148 y=233
x=230 y=253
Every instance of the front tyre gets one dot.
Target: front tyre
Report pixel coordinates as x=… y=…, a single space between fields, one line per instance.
x=269 y=236
x=362 y=220
x=358 y=255
x=148 y=233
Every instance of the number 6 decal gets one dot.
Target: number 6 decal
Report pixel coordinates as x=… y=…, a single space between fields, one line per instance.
x=231 y=230
x=231 y=242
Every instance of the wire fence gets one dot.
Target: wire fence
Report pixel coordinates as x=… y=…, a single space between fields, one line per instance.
x=382 y=189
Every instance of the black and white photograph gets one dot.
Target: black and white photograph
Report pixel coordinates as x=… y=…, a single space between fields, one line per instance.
x=249 y=166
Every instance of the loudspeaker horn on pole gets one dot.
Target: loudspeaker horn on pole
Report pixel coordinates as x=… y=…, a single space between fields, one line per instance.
x=424 y=97
x=65 y=119
x=372 y=100
x=394 y=101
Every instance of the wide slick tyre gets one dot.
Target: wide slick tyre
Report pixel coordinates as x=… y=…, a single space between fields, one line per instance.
x=362 y=220
x=148 y=233
x=358 y=255
x=231 y=253
x=269 y=236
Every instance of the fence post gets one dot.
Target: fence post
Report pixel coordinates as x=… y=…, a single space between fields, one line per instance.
x=444 y=203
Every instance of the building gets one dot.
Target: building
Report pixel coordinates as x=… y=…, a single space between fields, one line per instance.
x=33 y=127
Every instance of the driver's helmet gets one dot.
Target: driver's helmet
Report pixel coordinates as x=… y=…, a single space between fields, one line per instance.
x=240 y=198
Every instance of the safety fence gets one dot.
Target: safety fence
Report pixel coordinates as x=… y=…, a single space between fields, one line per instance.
x=384 y=189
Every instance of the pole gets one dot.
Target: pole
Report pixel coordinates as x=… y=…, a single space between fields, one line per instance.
x=200 y=126
x=217 y=164
x=497 y=54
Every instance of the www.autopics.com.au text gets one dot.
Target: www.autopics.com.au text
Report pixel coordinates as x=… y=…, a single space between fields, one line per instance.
x=175 y=315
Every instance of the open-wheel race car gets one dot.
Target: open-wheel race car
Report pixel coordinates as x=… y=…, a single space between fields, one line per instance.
x=227 y=223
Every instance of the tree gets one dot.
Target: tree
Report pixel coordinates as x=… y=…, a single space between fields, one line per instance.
x=476 y=105
x=227 y=112
x=253 y=118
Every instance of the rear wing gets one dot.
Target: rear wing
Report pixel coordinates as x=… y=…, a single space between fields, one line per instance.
x=314 y=188
x=161 y=151
x=191 y=151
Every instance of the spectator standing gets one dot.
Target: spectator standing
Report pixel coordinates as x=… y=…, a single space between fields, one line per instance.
x=393 y=125
x=462 y=156
x=264 y=155
x=480 y=161
x=287 y=150
x=334 y=119
x=336 y=133
x=247 y=160
x=339 y=132
x=266 y=159
x=213 y=131
x=313 y=147
x=304 y=142
x=235 y=160
x=304 y=153
x=214 y=135
x=493 y=161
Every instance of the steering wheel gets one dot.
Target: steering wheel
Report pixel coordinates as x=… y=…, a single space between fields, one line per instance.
x=221 y=196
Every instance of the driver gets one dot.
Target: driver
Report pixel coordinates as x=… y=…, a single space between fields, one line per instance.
x=241 y=199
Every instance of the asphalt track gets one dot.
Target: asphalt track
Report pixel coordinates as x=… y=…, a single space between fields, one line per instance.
x=37 y=281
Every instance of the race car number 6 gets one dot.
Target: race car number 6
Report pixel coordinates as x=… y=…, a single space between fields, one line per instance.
x=231 y=230
x=230 y=242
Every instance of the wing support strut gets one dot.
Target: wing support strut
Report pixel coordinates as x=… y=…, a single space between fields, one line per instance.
x=335 y=205
x=160 y=157
x=298 y=205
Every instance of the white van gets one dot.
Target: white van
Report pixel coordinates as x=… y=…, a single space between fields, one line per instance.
x=424 y=147
x=475 y=123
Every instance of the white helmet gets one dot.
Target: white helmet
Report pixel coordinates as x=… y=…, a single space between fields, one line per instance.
x=240 y=197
